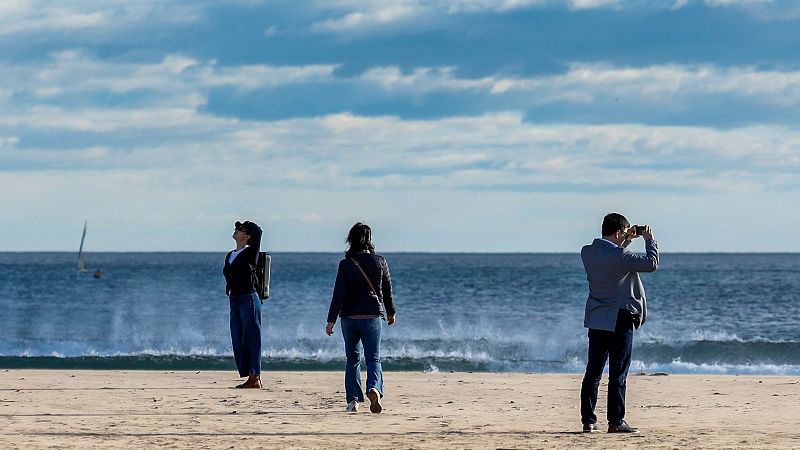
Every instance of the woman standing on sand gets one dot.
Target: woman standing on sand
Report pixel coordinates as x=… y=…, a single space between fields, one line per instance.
x=361 y=297
x=245 y=305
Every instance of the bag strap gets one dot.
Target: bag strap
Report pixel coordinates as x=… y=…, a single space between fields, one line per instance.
x=369 y=282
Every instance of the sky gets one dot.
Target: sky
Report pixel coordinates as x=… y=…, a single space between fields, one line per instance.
x=448 y=126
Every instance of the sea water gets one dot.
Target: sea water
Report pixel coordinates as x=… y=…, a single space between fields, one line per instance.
x=707 y=313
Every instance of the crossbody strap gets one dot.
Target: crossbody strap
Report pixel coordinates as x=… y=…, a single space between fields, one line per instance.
x=374 y=291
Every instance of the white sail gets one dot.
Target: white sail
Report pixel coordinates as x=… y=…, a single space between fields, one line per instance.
x=81 y=262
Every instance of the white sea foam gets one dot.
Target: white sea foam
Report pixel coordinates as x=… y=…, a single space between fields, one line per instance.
x=680 y=367
x=457 y=359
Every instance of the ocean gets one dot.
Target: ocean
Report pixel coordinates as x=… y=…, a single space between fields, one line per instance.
x=708 y=313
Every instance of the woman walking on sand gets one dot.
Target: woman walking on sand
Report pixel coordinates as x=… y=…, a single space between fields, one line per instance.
x=361 y=297
x=245 y=305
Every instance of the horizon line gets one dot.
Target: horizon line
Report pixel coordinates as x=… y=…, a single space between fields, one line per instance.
x=710 y=252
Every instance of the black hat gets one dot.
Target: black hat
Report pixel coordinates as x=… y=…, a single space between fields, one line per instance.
x=249 y=227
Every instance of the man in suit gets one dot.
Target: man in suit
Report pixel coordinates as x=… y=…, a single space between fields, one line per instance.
x=615 y=307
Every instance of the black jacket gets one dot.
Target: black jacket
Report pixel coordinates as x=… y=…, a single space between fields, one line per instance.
x=353 y=296
x=240 y=275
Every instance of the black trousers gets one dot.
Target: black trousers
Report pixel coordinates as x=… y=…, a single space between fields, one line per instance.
x=614 y=347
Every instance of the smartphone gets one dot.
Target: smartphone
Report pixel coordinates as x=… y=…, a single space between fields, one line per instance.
x=639 y=229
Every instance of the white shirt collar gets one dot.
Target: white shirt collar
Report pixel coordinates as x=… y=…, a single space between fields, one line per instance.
x=235 y=253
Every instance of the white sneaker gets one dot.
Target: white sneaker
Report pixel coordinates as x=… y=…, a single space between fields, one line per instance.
x=352 y=406
x=374 y=401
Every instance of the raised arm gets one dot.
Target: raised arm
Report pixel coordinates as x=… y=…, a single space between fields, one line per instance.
x=643 y=263
x=254 y=244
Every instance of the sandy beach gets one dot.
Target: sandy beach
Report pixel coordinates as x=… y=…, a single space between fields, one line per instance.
x=112 y=409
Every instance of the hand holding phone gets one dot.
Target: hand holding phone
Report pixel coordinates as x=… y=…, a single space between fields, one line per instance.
x=644 y=231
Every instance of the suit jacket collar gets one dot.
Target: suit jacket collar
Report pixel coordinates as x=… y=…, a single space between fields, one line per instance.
x=604 y=241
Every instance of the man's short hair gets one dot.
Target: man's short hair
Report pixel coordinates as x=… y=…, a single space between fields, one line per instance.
x=614 y=222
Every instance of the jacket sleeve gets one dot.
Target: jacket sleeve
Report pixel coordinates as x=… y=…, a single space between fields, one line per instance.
x=226 y=273
x=642 y=263
x=339 y=293
x=386 y=288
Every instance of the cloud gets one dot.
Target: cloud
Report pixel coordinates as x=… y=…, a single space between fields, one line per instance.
x=478 y=6
x=718 y=3
x=422 y=79
x=359 y=16
x=669 y=94
x=309 y=171
x=492 y=152
x=370 y=15
x=75 y=70
x=38 y=16
x=665 y=80
x=589 y=83
x=74 y=90
x=592 y=4
x=77 y=91
x=9 y=141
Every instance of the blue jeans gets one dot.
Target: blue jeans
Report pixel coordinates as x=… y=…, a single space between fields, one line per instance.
x=368 y=331
x=246 y=333
x=614 y=346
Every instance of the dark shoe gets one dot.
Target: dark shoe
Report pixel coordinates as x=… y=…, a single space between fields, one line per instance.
x=622 y=428
x=590 y=428
x=374 y=401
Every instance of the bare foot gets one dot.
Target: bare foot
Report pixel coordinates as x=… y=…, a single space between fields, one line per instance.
x=253 y=382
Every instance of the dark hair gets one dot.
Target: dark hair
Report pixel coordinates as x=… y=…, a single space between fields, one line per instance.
x=614 y=222
x=360 y=239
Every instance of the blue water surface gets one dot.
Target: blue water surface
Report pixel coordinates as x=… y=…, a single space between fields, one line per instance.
x=708 y=313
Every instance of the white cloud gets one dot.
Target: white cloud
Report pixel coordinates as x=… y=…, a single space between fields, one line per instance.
x=256 y=76
x=592 y=4
x=325 y=172
x=39 y=16
x=718 y=3
x=360 y=15
x=496 y=151
x=346 y=17
x=101 y=120
x=477 y=6
x=423 y=79
x=493 y=151
x=177 y=86
x=9 y=141
x=180 y=79
x=374 y=15
x=584 y=83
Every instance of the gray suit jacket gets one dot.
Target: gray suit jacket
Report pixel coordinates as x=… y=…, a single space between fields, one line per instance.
x=614 y=283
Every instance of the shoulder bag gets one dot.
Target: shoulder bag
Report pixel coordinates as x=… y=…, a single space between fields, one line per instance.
x=372 y=288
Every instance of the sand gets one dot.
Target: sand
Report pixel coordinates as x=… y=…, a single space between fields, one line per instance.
x=135 y=409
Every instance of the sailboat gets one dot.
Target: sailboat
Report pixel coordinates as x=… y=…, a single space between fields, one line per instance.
x=81 y=262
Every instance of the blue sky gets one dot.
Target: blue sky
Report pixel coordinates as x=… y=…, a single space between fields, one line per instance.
x=464 y=125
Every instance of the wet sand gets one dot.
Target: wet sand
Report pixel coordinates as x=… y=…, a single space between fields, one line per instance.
x=134 y=409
